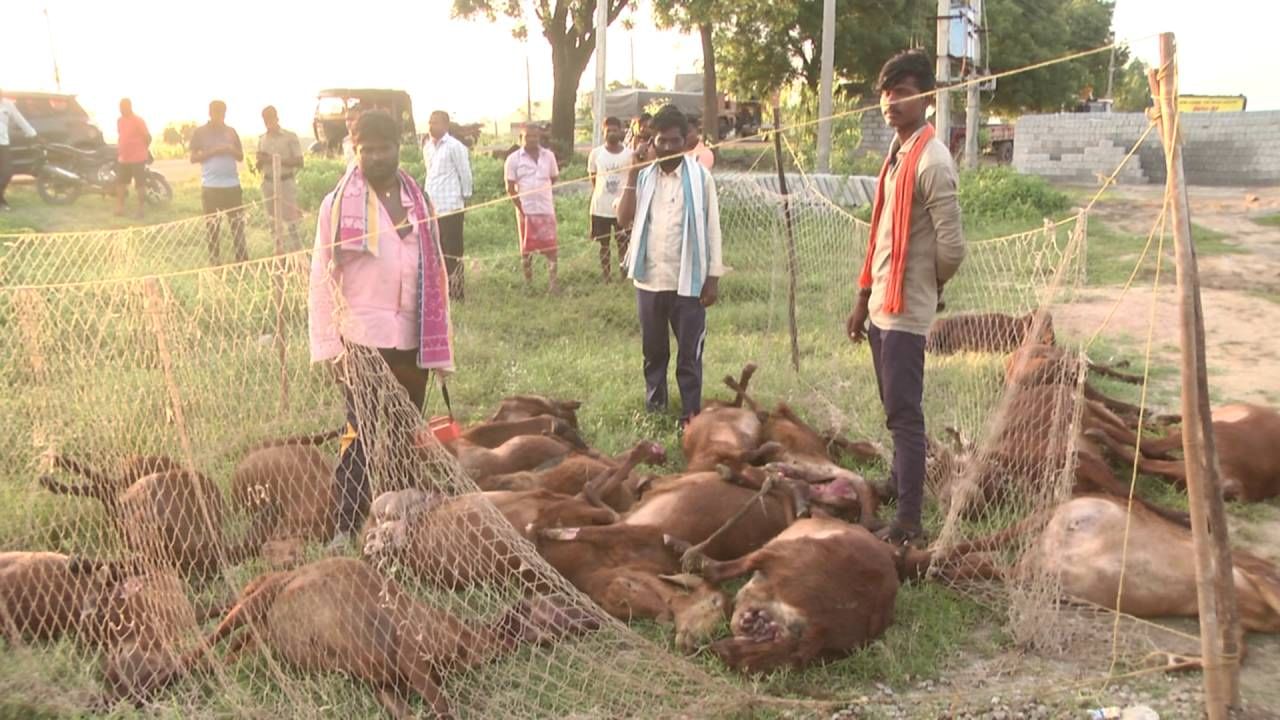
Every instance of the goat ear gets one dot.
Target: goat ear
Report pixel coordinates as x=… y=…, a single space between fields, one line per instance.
x=687 y=581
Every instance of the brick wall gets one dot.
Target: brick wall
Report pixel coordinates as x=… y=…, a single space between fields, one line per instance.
x=1237 y=148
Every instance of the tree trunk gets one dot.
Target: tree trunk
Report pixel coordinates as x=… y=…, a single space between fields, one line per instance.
x=710 y=101
x=567 y=65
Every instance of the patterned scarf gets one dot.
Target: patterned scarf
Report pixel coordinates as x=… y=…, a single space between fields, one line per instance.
x=356 y=219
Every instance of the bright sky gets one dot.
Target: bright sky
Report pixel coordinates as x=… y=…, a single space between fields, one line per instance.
x=172 y=56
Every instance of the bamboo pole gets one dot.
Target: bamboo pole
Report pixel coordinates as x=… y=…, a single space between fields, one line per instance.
x=278 y=270
x=791 y=238
x=155 y=310
x=1215 y=591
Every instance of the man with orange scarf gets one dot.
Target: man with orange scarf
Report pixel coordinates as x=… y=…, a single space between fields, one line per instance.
x=916 y=245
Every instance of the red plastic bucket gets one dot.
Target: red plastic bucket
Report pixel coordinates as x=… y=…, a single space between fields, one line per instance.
x=445 y=428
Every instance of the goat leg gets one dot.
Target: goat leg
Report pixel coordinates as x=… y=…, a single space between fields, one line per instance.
x=1111 y=372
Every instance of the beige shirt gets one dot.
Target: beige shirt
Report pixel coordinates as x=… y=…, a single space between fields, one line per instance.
x=283 y=143
x=935 y=247
x=666 y=232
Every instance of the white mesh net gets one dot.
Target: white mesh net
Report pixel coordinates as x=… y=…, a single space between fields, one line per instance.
x=158 y=480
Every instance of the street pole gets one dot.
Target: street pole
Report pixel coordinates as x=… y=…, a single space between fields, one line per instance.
x=942 y=120
x=53 y=53
x=971 y=101
x=602 y=27
x=824 y=97
x=528 y=85
x=1111 y=70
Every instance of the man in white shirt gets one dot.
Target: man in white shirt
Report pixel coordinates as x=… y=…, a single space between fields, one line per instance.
x=606 y=166
x=9 y=116
x=448 y=184
x=674 y=258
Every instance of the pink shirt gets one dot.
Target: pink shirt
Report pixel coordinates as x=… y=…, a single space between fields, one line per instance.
x=703 y=155
x=380 y=292
x=131 y=147
x=533 y=179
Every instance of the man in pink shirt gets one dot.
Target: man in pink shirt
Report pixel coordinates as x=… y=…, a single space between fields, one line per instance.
x=390 y=274
x=694 y=146
x=530 y=173
x=131 y=156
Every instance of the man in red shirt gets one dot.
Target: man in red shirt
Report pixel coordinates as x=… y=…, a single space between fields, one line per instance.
x=131 y=156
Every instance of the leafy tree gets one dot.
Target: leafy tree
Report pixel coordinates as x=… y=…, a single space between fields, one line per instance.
x=1024 y=32
x=763 y=45
x=1131 y=91
x=569 y=27
x=689 y=15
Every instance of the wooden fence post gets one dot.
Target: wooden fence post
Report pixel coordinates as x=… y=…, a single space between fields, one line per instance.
x=278 y=269
x=155 y=310
x=1220 y=638
x=791 y=238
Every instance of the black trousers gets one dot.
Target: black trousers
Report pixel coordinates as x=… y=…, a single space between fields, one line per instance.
x=601 y=228
x=899 y=364
x=451 y=245
x=352 y=481
x=5 y=172
x=219 y=201
x=687 y=319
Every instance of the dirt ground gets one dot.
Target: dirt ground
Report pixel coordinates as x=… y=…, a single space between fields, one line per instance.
x=1241 y=291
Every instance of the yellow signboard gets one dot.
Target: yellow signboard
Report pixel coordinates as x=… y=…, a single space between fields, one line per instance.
x=1210 y=103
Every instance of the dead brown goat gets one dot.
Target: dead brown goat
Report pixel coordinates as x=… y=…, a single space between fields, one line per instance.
x=340 y=615
x=986 y=333
x=631 y=572
x=1247 y=439
x=172 y=516
x=42 y=594
x=819 y=590
x=574 y=472
x=1081 y=542
x=461 y=542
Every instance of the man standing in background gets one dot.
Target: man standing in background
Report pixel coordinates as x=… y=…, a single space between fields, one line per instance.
x=132 y=150
x=694 y=146
x=448 y=185
x=216 y=146
x=277 y=141
x=530 y=173
x=607 y=168
x=9 y=116
x=674 y=258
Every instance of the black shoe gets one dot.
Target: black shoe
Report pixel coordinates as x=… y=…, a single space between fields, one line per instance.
x=902 y=534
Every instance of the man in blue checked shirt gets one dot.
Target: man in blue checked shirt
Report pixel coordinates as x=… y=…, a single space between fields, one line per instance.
x=448 y=185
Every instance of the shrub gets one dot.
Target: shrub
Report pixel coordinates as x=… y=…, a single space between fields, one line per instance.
x=1000 y=193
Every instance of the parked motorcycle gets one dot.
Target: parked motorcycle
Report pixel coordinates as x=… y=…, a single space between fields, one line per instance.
x=66 y=172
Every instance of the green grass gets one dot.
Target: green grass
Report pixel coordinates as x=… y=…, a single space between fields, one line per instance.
x=1113 y=253
x=1272 y=220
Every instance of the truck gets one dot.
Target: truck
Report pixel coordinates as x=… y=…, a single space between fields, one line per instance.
x=330 y=127
x=737 y=118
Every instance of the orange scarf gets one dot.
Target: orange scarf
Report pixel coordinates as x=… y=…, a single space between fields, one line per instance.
x=903 y=195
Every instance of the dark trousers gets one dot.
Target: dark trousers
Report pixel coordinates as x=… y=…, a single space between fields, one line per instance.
x=352 y=481
x=899 y=363
x=687 y=318
x=5 y=171
x=451 y=245
x=228 y=201
x=601 y=228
